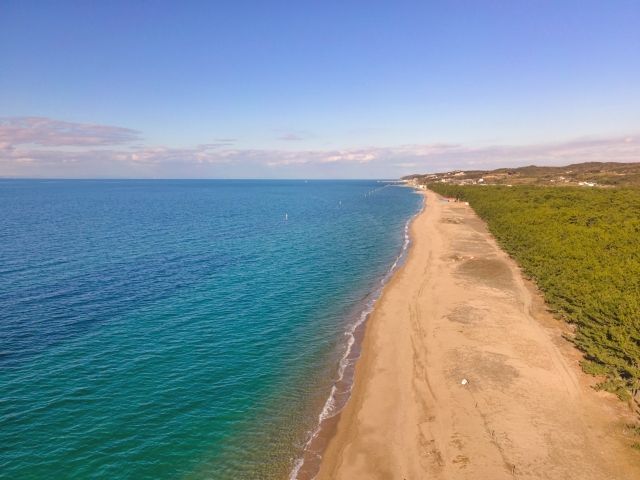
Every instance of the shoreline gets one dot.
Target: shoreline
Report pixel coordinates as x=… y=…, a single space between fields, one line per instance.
x=448 y=315
x=307 y=466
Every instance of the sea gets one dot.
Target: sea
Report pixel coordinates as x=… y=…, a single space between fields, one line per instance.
x=184 y=329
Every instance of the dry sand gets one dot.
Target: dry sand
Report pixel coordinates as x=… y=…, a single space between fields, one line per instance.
x=460 y=309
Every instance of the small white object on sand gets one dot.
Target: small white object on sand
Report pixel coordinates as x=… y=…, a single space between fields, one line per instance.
x=464 y=381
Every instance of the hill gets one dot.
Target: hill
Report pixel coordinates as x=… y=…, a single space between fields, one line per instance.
x=588 y=174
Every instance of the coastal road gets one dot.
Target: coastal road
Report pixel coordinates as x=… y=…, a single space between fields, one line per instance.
x=464 y=375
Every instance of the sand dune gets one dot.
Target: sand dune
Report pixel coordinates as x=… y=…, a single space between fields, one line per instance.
x=460 y=310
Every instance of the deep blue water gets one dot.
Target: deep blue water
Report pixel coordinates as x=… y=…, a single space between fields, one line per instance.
x=179 y=329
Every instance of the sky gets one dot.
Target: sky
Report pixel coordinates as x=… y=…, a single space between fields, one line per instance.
x=314 y=89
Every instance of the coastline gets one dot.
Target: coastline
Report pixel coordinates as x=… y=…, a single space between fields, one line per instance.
x=449 y=314
x=307 y=466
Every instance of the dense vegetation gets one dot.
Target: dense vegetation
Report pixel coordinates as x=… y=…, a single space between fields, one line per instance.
x=582 y=247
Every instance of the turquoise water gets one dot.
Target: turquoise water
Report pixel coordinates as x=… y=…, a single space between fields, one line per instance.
x=180 y=329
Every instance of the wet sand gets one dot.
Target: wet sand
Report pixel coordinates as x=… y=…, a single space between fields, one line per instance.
x=460 y=309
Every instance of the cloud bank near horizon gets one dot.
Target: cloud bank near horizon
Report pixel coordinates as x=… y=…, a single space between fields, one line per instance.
x=45 y=147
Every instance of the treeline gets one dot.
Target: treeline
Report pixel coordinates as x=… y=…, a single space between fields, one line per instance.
x=582 y=247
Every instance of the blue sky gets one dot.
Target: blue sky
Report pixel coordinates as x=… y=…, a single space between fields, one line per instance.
x=314 y=89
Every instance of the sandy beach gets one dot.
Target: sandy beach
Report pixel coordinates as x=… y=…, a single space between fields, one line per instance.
x=464 y=375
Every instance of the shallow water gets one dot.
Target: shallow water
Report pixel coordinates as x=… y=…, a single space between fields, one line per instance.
x=180 y=329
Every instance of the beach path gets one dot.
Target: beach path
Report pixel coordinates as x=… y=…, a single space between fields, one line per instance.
x=464 y=375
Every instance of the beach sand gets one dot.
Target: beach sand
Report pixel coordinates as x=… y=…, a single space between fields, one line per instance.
x=460 y=309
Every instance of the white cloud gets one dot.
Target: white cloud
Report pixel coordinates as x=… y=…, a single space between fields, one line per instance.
x=50 y=132
x=22 y=153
